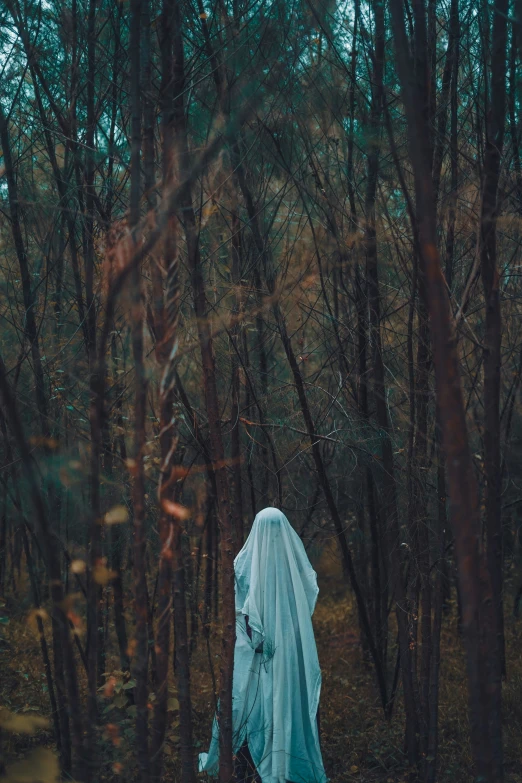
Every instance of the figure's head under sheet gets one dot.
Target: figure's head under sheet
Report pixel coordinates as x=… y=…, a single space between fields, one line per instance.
x=273 y=563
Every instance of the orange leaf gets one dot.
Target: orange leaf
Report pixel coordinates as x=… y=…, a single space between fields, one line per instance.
x=102 y=575
x=175 y=509
x=78 y=567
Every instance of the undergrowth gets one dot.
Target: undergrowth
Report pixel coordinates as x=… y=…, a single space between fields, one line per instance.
x=358 y=744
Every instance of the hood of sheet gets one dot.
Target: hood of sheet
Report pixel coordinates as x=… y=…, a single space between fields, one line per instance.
x=275 y=692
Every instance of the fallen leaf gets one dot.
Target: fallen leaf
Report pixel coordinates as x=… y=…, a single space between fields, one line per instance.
x=32 y=620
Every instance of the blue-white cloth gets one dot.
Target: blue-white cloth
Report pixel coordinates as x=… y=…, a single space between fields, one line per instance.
x=275 y=692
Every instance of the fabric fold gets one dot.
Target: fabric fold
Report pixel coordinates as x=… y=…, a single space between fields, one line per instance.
x=275 y=692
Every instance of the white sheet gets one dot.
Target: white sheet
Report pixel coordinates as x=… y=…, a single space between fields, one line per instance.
x=276 y=692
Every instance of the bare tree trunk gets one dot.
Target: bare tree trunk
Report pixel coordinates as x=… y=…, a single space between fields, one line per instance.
x=496 y=117
x=182 y=659
x=237 y=343
x=138 y=487
x=213 y=413
x=452 y=211
x=351 y=133
x=473 y=577
x=421 y=519
x=170 y=524
x=448 y=77
x=116 y=541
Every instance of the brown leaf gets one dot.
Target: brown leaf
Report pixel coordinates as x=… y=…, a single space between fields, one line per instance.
x=21 y=724
x=175 y=509
x=117 y=515
x=32 y=620
x=132 y=466
x=109 y=687
x=102 y=575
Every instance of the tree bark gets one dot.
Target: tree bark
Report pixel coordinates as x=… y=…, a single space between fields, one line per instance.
x=141 y=652
x=492 y=358
x=389 y=491
x=474 y=580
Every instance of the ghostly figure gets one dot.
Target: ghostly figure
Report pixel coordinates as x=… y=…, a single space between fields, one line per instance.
x=277 y=679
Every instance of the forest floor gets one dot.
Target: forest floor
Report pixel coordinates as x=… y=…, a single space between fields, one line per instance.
x=358 y=744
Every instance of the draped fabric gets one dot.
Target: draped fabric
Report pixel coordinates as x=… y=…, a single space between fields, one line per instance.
x=275 y=691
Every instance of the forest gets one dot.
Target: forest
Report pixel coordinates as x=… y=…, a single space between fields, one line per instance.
x=260 y=253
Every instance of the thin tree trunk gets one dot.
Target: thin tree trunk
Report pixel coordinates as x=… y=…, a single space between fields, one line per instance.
x=421 y=520
x=43 y=642
x=454 y=182
x=430 y=770
x=138 y=488
x=95 y=640
x=227 y=538
x=166 y=327
x=492 y=359
x=115 y=533
x=473 y=577
x=389 y=492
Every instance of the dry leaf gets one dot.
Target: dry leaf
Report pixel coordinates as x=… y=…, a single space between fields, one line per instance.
x=113 y=733
x=131 y=648
x=132 y=466
x=109 y=687
x=103 y=575
x=175 y=509
x=116 y=516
